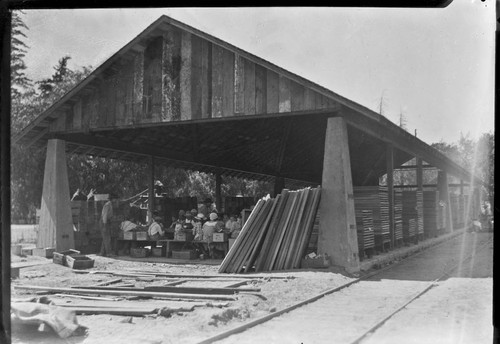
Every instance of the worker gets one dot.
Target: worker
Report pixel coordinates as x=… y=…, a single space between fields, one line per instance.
x=126 y=226
x=194 y=212
x=188 y=224
x=197 y=225
x=233 y=226
x=106 y=216
x=206 y=208
x=155 y=230
x=208 y=230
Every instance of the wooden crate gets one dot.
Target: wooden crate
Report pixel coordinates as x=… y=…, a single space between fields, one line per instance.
x=139 y=252
x=129 y=235
x=27 y=251
x=79 y=262
x=159 y=251
x=315 y=263
x=44 y=252
x=141 y=236
x=220 y=237
x=60 y=257
x=183 y=236
x=189 y=254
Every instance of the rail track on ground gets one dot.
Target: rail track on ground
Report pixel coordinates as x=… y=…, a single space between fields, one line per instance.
x=348 y=314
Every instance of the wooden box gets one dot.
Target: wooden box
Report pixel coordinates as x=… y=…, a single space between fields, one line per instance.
x=44 y=252
x=190 y=254
x=79 y=262
x=184 y=236
x=220 y=237
x=129 y=235
x=139 y=252
x=16 y=249
x=159 y=251
x=27 y=251
x=142 y=236
x=60 y=257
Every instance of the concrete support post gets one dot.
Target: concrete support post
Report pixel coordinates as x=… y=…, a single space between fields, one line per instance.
x=56 y=222
x=337 y=227
x=444 y=196
x=151 y=192
x=390 y=190
x=218 y=194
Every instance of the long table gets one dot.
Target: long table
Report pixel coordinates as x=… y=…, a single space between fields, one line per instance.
x=171 y=244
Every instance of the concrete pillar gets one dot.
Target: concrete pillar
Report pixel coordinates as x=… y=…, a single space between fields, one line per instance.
x=390 y=190
x=337 y=227
x=218 y=194
x=444 y=195
x=56 y=223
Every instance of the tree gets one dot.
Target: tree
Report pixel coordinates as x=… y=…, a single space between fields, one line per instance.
x=19 y=81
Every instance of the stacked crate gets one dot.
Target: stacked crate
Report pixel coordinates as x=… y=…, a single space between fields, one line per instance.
x=431 y=213
x=410 y=215
x=420 y=212
x=398 y=215
x=376 y=199
x=365 y=233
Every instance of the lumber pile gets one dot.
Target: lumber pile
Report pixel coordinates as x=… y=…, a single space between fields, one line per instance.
x=376 y=199
x=398 y=215
x=412 y=209
x=431 y=212
x=276 y=234
x=366 y=235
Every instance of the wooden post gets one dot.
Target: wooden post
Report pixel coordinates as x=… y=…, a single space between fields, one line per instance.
x=218 y=196
x=279 y=185
x=461 y=187
x=151 y=193
x=420 y=175
x=444 y=196
x=337 y=227
x=56 y=222
x=390 y=190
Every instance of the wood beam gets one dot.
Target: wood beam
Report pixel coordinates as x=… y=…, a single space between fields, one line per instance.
x=420 y=174
x=151 y=194
x=390 y=190
x=444 y=196
x=282 y=148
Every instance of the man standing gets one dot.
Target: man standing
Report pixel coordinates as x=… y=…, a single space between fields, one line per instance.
x=106 y=215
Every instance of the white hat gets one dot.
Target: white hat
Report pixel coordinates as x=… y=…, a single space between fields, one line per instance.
x=213 y=216
x=200 y=216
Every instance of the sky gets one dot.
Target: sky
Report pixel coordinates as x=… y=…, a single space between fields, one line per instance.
x=435 y=66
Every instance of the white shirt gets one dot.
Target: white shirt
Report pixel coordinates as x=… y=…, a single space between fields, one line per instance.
x=127 y=226
x=154 y=228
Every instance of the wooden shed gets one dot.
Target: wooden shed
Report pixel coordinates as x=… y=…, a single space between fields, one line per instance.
x=179 y=96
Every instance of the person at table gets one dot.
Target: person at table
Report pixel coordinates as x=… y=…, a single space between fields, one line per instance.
x=127 y=226
x=194 y=212
x=155 y=230
x=188 y=224
x=233 y=226
x=182 y=215
x=208 y=229
x=197 y=227
x=106 y=229
x=206 y=208
x=221 y=224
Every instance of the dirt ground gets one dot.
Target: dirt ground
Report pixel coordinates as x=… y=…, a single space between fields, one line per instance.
x=471 y=283
x=188 y=327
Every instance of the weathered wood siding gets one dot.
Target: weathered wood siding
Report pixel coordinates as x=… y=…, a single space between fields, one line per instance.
x=178 y=76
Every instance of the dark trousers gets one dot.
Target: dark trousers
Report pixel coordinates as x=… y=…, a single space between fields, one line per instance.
x=106 y=239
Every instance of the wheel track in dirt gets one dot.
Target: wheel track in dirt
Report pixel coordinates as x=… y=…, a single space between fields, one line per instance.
x=336 y=319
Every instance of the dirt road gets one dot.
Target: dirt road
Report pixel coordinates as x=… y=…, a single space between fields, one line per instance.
x=456 y=310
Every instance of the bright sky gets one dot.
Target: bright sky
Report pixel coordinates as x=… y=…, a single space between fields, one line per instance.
x=434 y=65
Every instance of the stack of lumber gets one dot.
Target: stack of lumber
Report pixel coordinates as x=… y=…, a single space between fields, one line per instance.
x=431 y=211
x=276 y=234
x=364 y=225
x=376 y=199
x=313 y=240
x=412 y=227
x=398 y=215
x=412 y=209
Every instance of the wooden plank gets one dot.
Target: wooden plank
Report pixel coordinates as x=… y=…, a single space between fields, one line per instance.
x=185 y=76
x=120 y=93
x=239 y=85
x=297 y=96
x=260 y=89
x=249 y=88
x=237 y=284
x=228 y=84
x=217 y=88
x=116 y=280
x=138 y=86
x=112 y=87
x=294 y=242
x=206 y=79
x=390 y=190
x=176 y=289
x=290 y=230
x=125 y=293
x=86 y=113
x=196 y=77
x=273 y=92
x=83 y=297
x=68 y=125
